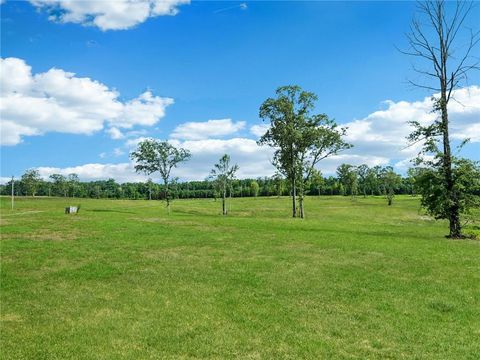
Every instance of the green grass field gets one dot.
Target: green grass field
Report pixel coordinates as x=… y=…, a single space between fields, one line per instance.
x=125 y=280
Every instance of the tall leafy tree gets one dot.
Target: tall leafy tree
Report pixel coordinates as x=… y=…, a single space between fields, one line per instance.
x=412 y=175
x=159 y=156
x=223 y=174
x=321 y=138
x=316 y=182
x=59 y=184
x=347 y=176
x=371 y=181
x=300 y=138
x=254 y=188
x=73 y=184
x=362 y=172
x=436 y=39
x=278 y=183
x=31 y=180
x=431 y=186
x=391 y=181
x=150 y=186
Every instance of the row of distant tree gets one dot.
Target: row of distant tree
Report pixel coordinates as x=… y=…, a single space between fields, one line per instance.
x=349 y=181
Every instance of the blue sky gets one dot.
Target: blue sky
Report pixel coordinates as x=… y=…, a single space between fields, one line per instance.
x=217 y=60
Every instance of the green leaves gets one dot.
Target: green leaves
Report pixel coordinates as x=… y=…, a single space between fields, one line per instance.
x=222 y=173
x=300 y=139
x=431 y=184
x=153 y=155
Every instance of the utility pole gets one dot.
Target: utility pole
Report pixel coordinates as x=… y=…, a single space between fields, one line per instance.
x=13 y=192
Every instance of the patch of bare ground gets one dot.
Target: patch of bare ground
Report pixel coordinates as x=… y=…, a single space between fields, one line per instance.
x=197 y=225
x=23 y=213
x=45 y=235
x=10 y=318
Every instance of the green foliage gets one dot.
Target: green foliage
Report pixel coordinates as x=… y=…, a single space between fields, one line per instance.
x=254 y=188
x=223 y=175
x=430 y=183
x=73 y=182
x=31 y=180
x=278 y=184
x=159 y=156
x=362 y=173
x=348 y=177
x=315 y=183
x=267 y=186
x=391 y=181
x=59 y=185
x=300 y=138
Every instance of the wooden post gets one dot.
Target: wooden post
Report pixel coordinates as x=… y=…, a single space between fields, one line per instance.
x=13 y=195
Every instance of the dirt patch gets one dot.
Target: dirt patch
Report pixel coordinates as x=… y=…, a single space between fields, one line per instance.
x=171 y=222
x=44 y=235
x=11 y=318
x=23 y=213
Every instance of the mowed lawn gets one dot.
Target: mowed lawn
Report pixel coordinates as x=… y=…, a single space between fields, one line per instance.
x=125 y=280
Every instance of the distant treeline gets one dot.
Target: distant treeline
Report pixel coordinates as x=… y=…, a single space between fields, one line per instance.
x=349 y=182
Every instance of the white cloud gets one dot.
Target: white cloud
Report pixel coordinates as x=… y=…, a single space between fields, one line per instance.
x=107 y=14
x=253 y=160
x=383 y=133
x=207 y=129
x=122 y=172
x=115 y=133
x=59 y=101
x=4 y=180
x=259 y=130
x=118 y=152
x=145 y=110
x=132 y=143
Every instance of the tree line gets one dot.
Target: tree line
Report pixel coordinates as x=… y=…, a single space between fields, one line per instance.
x=349 y=181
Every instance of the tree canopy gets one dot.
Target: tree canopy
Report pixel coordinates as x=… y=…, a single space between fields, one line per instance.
x=299 y=137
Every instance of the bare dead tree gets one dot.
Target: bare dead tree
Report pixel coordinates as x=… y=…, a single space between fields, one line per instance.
x=436 y=42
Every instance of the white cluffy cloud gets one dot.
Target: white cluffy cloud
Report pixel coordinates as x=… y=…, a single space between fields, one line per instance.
x=122 y=172
x=253 y=160
x=115 y=133
x=59 y=101
x=107 y=14
x=207 y=129
x=383 y=133
x=259 y=130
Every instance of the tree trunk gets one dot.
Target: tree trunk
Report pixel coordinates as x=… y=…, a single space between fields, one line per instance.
x=301 y=193
x=294 y=198
x=167 y=197
x=302 y=213
x=224 y=197
x=453 y=211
